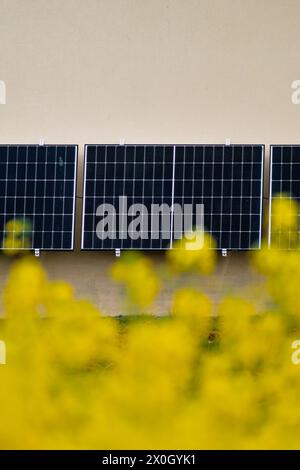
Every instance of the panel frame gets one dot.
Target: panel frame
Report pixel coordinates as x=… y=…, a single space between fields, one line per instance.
x=53 y=145
x=127 y=144
x=225 y=145
x=174 y=145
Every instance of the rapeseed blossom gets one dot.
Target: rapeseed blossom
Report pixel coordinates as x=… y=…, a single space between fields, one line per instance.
x=136 y=273
x=201 y=260
x=17 y=236
x=193 y=309
x=187 y=380
x=285 y=222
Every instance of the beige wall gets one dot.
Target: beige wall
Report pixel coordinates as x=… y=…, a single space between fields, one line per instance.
x=84 y=71
x=149 y=70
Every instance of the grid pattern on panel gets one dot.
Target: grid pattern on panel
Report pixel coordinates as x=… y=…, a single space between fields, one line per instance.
x=121 y=183
x=284 y=181
x=227 y=180
x=37 y=196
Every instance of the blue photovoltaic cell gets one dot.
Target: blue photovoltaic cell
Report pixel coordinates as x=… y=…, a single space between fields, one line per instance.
x=37 y=196
x=227 y=180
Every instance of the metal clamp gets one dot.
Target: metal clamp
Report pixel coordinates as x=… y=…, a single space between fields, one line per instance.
x=122 y=141
x=41 y=142
x=227 y=142
x=118 y=252
x=37 y=253
x=224 y=252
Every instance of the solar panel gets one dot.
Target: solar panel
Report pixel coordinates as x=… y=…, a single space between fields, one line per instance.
x=284 y=180
x=226 y=180
x=141 y=173
x=37 y=196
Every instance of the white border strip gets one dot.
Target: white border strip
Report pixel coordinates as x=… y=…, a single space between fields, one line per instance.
x=83 y=197
x=261 y=194
x=75 y=196
x=270 y=195
x=172 y=206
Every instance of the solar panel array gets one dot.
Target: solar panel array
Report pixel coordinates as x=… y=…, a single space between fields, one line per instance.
x=37 y=196
x=227 y=180
x=284 y=181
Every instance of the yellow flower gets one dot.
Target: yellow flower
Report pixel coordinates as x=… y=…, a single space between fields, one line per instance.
x=137 y=274
x=194 y=309
x=202 y=260
x=25 y=288
x=285 y=213
x=16 y=226
x=17 y=236
x=11 y=245
x=236 y=315
x=150 y=382
x=266 y=260
x=285 y=223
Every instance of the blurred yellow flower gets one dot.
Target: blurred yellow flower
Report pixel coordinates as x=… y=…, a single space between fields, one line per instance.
x=148 y=382
x=137 y=274
x=17 y=236
x=26 y=286
x=201 y=260
x=194 y=309
x=285 y=213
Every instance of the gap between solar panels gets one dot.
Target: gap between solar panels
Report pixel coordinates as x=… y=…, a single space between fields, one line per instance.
x=147 y=196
